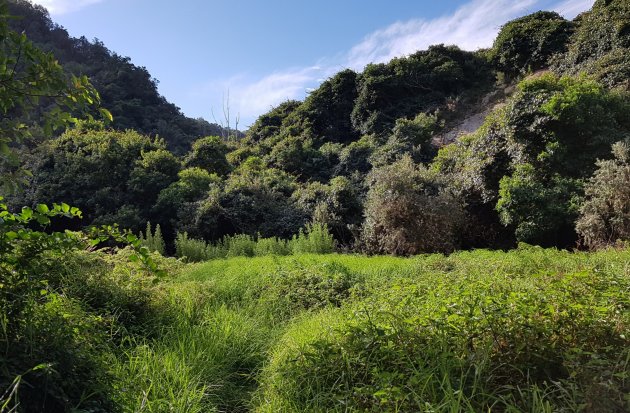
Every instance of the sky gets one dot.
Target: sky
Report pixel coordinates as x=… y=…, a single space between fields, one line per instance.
x=263 y=52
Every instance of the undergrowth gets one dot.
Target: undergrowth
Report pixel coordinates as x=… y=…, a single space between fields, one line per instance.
x=530 y=330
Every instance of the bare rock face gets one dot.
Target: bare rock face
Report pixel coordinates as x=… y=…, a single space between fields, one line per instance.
x=469 y=121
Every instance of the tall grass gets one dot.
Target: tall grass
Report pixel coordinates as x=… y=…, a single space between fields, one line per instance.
x=530 y=330
x=315 y=239
x=154 y=241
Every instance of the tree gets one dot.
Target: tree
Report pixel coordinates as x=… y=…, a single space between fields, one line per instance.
x=409 y=137
x=605 y=213
x=209 y=153
x=336 y=204
x=542 y=210
x=408 y=85
x=600 y=44
x=114 y=177
x=29 y=76
x=529 y=159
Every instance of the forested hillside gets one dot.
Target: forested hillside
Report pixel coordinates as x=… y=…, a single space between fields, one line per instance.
x=362 y=153
x=129 y=92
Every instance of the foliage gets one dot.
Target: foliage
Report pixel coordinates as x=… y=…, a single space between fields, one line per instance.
x=600 y=44
x=71 y=168
x=153 y=240
x=530 y=157
x=191 y=250
x=29 y=76
x=55 y=348
x=543 y=331
x=409 y=137
x=408 y=211
x=406 y=86
x=209 y=153
x=240 y=245
x=605 y=213
x=527 y=43
x=269 y=124
x=542 y=209
x=325 y=113
x=271 y=246
x=336 y=204
x=127 y=90
x=315 y=239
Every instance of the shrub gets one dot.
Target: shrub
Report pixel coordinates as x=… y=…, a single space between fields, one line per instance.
x=271 y=246
x=312 y=287
x=153 y=241
x=316 y=239
x=600 y=44
x=475 y=341
x=605 y=214
x=241 y=245
x=409 y=211
x=527 y=43
x=192 y=250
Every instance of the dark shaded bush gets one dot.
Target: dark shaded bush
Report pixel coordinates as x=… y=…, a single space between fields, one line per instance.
x=526 y=44
x=600 y=44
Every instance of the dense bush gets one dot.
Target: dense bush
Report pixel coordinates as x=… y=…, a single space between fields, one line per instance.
x=62 y=311
x=530 y=157
x=406 y=86
x=600 y=44
x=527 y=43
x=605 y=214
x=409 y=211
x=209 y=154
x=115 y=177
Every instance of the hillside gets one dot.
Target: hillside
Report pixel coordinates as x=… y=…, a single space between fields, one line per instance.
x=129 y=92
x=488 y=137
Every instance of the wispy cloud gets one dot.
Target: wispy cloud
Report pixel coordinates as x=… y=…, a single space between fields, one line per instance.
x=472 y=26
x=571 y=8
x=263 y=94
x=65 y=6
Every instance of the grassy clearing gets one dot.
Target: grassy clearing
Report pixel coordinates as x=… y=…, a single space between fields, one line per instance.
x=529 y=330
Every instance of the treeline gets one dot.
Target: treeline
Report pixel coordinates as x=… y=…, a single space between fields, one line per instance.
x=360 y=154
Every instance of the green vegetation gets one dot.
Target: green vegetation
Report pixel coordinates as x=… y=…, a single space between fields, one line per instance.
x=600 y=44
x=333 y=158
x=314 y=239
x=528 y=330
x=526 y=44
x=257 y=312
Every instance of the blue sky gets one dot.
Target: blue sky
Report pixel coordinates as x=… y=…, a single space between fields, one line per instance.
x=266 y=51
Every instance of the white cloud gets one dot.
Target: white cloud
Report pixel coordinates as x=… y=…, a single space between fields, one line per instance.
x=56 y=7
x=261 y=95
x=472 y=26
x=571 y=8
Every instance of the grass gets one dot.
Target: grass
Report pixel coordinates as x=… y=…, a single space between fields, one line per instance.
x=530 y=330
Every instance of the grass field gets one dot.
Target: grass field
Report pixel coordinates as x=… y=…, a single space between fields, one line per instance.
x=529 y=330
